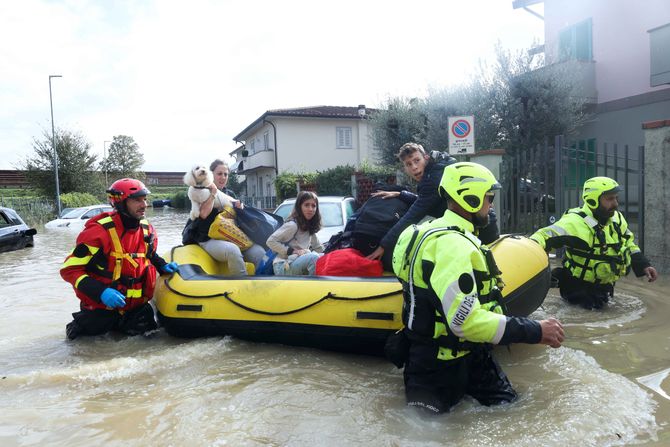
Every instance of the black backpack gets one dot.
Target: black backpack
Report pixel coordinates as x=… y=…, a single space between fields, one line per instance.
x=366 y=228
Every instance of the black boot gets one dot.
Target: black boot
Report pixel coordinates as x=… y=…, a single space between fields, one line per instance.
x=72 y=330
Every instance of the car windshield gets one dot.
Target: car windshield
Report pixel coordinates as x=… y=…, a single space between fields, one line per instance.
x=74 y=214
x=284 y=210
x=331 y=214
x=65 y=211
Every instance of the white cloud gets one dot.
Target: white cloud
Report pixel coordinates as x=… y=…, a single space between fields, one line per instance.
x=183 y=78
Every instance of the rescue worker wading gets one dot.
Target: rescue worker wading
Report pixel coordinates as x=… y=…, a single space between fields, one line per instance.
x=113 y=267
x=600 y=247
x=450 y=305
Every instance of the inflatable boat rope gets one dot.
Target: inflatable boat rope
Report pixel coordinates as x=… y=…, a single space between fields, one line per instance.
x=330 y=296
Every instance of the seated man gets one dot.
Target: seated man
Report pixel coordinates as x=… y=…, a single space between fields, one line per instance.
x=600 y=247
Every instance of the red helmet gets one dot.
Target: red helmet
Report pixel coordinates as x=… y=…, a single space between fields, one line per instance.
x=126 y=188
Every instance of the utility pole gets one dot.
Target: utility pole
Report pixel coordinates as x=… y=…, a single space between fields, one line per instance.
x=53 y=143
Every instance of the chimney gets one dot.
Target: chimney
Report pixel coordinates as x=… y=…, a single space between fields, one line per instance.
x=361 y=110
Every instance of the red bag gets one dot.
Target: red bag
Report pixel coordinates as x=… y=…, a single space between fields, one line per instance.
x=348 y=262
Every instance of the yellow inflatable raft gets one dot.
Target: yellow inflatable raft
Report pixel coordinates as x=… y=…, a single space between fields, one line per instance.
x=349 y=314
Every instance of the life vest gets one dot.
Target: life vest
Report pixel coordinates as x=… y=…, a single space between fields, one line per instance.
x=423 y=313
x=131 y=281
x=608 y=256
x=118 y=261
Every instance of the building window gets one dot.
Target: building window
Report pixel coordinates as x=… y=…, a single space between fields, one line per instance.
x=252 y=149
x=343 y=137
x=660 y=55
x=266 y=141
x=575 y=42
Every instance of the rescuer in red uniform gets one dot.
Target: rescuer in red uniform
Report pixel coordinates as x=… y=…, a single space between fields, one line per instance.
x=113 y=267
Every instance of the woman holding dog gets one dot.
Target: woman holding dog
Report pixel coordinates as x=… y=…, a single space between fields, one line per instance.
x=295 y=242
x=223 y=251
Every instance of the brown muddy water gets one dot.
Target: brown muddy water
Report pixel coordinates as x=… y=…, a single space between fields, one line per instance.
x=608 y=385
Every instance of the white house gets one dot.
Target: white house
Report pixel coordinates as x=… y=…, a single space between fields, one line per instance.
x=623 y=51
x=306 y=139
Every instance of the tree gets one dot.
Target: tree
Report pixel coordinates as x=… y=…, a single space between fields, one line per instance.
x=124 y=158
x=402 y=120
x=522 y=102
x=74 y=161
x=516 y=103
x=234 y=183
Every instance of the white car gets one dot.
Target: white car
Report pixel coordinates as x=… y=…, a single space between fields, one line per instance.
x=335 y=211
x=76 y=218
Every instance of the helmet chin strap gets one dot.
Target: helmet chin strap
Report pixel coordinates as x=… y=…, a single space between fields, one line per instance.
x=128 y=221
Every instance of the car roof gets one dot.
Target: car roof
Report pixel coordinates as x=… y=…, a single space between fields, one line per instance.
x=322 y=199
x=92 y=206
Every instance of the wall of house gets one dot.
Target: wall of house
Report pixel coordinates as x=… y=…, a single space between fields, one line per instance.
x=623 y=126
x=308 y=145
x=620 y=40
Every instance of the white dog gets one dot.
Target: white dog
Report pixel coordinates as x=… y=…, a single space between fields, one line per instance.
x=198 y=180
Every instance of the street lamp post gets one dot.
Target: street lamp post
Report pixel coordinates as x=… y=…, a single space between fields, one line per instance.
x=104 y=159
x=53 y=143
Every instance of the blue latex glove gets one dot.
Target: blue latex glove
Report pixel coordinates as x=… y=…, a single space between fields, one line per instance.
x=170 y=268
x=112 y=298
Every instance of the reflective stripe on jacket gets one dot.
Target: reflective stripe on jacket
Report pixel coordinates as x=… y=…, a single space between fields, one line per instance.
x=446 y=279
x=108 y=255
x=597 y=254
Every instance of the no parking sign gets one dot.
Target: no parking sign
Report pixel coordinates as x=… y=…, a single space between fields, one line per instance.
x=461 y=135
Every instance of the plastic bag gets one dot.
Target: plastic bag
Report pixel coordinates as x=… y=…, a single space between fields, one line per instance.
x=258 y=224
x=265 y=266
x=224 y=228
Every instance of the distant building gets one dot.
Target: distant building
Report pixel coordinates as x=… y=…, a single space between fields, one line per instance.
x=623 y=52
x=17 y=179
x=13 y=179
x=306 y=139
x=164 y=178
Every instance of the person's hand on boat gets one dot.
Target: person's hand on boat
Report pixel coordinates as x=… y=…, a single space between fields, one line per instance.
x=552 y=332
x=170 y=268
x=377 y=254
x=112 y=298
x=300 y=251
x=651 y=274
x=238 y=204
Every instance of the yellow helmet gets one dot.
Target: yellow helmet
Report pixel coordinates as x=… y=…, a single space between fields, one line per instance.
x=467 y=183
x=596 y=187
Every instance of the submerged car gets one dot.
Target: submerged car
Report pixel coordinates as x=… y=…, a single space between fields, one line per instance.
x=335 y=211
x=14 y=233
x=77 y=217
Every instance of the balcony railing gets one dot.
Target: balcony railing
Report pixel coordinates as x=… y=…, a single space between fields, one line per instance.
x=268 y=203
x=263 y=158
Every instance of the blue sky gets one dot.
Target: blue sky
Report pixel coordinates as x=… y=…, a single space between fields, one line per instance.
x=183 y=78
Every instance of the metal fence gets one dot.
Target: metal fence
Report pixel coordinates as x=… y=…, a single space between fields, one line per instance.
x=31 y=209
x=540 y=183
x=268 y=203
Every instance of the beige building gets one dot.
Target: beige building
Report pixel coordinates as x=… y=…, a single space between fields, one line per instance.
x=306 y=139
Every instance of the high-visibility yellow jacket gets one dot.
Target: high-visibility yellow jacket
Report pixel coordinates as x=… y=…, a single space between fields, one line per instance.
x=451 y=289
x=595 y=253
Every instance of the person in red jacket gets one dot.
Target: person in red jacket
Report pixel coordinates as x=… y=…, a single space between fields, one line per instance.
x=113 y=267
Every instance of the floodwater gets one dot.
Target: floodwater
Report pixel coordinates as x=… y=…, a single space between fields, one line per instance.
x=608 y=385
